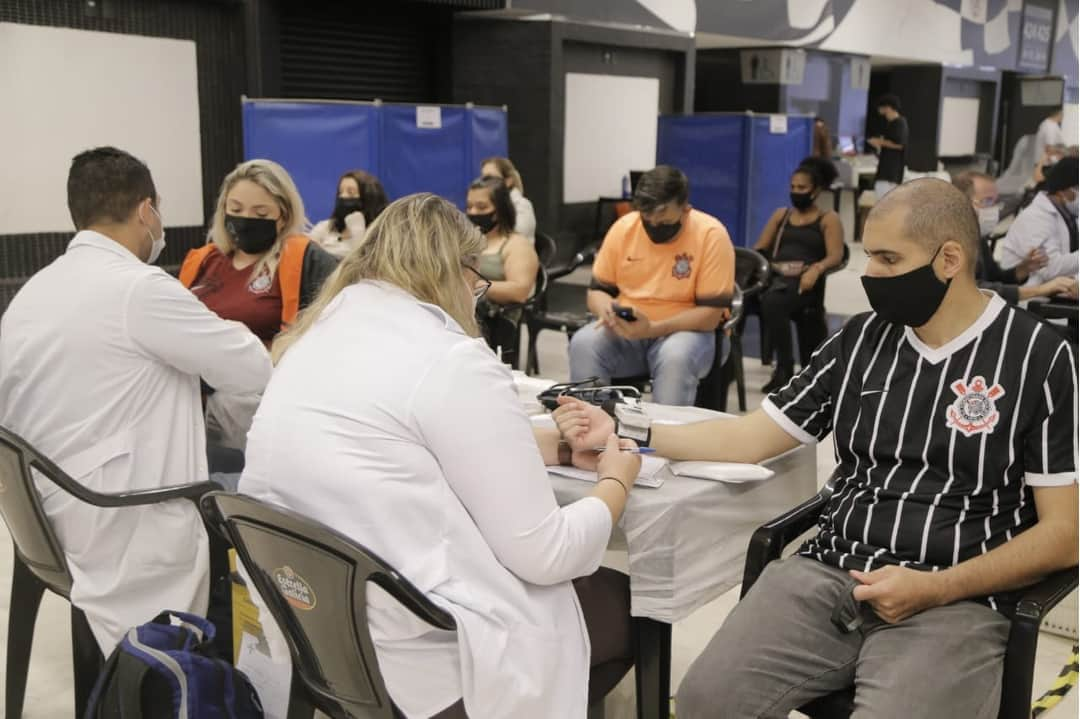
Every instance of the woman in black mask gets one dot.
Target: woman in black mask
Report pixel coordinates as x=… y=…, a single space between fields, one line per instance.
x=509 y=261
x=258 y=267
x=360 y=198
x=802 y=244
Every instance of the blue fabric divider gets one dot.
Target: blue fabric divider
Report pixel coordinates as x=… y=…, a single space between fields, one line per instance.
x=315 y=143
x=318 y=141
x=738 y=170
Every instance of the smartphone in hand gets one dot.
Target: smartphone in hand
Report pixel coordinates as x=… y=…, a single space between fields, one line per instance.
x=624 y=313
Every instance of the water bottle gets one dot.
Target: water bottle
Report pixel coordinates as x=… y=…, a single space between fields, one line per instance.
x=626 y=186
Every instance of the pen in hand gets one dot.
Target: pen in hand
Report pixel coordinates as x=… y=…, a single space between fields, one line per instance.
x=635 y=450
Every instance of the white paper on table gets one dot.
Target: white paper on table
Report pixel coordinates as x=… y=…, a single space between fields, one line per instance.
x=730 y=472
x=654 y=470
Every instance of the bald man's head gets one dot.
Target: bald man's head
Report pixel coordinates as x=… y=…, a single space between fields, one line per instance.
x=931 y=212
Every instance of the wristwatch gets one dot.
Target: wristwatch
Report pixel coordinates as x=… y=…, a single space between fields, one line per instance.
x=566 y=453
x=631 y=422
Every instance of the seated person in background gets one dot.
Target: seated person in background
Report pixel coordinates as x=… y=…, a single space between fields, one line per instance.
x=502 y=169
x=822 y=144
x=421 y=452
x=508 y=259
x=981 y=189
x=673 y=268
x=802 y=244
x=100 y=359
x=1048 y=224
x=360 y=199
x=953 y=418
x=258 y=267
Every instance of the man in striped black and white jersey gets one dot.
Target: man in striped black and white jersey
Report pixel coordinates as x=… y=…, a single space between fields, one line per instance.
x=953 y=418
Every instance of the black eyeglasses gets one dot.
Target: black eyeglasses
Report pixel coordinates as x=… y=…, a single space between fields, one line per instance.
x=482 y=284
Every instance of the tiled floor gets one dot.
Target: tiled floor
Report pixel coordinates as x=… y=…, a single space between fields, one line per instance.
x=50 y=681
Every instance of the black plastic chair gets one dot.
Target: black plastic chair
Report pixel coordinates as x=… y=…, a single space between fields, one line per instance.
x=752 y=273
x=315 y=582
x=538 y=318
x=40 y=563
x=769 y=541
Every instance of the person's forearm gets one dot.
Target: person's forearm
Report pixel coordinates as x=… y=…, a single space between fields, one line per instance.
x=547 y=441
x=1027 y=558
x=698 y=319
x=504 y=292
x=891 y=145
x=597 y=301
x=749 y=439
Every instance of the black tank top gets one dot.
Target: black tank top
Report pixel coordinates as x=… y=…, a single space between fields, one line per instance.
x=801 y=242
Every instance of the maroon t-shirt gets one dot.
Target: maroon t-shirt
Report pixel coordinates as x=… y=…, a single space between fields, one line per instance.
x=234 y=294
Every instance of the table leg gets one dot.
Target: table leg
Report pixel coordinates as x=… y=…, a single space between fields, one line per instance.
x=652 y=672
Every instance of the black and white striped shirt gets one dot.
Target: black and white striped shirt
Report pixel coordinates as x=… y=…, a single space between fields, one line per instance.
x=936 y=449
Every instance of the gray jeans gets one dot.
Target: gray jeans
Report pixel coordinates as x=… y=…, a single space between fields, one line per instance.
x=780 y=648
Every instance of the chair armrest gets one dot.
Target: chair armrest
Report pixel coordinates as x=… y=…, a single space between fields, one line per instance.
x=131 y=499
x=1040 y=598
x=587 y=254
x=769 y=540
x=1031 y=609
x=414 y=600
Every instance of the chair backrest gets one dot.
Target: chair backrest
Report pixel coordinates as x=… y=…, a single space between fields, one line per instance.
x=751 y=271
x=314 y=582
x=546 y=249
x=36 y=544
x=736 y=309
x=843 y=261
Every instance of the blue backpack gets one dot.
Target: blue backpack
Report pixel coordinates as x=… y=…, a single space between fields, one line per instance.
x=167 y=668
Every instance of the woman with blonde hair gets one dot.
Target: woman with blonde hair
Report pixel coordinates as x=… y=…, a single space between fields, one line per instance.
x=413 y=443
x=502 y=169
x=258 y=267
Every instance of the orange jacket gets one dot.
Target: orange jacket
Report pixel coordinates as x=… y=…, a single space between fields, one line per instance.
x=290 y=269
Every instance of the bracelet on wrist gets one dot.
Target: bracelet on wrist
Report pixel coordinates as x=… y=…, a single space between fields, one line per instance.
x=566 y=453
x=615 y=479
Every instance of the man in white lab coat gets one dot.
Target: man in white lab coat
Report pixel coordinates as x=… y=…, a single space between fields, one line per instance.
x=101 y=354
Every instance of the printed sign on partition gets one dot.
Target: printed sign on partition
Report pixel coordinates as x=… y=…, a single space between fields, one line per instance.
x=778 y=124
x=429 y=117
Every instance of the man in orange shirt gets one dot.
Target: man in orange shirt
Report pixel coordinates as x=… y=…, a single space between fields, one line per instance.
x=661 y=284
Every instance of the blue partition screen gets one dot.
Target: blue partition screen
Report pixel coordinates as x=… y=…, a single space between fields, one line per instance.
x=318 y=141
x=315 y=143
x=738 y=169
x=711 y=151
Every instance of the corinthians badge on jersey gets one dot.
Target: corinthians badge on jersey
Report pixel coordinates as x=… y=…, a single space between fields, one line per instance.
x=681 y=269
x=974 y=411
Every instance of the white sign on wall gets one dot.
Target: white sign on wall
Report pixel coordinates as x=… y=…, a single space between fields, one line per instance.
x=66 y=91
x=773 y=66
x=610 y=130
x=429 y=117
x=974 y=10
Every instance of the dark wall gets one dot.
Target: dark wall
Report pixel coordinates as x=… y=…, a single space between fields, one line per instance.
x=342 y=50
x=523 y=64
x=718 y=85
x=218 y=31
x=919 y=88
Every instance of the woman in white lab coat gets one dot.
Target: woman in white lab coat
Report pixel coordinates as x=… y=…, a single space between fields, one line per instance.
x=414 y=444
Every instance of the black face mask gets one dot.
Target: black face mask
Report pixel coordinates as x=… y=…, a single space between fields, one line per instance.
x=802 y=200
x=253 y=235
x=909 y=299
x=345 y=206
x=661 y=234
x=486 y=223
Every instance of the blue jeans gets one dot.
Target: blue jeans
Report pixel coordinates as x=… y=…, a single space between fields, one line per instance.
x=675 y=363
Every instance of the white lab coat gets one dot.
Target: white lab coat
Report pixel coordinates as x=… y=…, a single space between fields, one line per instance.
x=100 y=359
x=1049 y=134
x=1040 y=226
x=413 y=443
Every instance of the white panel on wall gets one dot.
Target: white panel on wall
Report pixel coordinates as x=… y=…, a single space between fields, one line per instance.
x=959 y=123
x=1070 y=123
x=65 y=91
x=610 y=130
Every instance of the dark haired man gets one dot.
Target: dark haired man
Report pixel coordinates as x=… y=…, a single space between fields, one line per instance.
x=661 y=283
x=953 y=419
x=101 y=355
x=891 y=146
